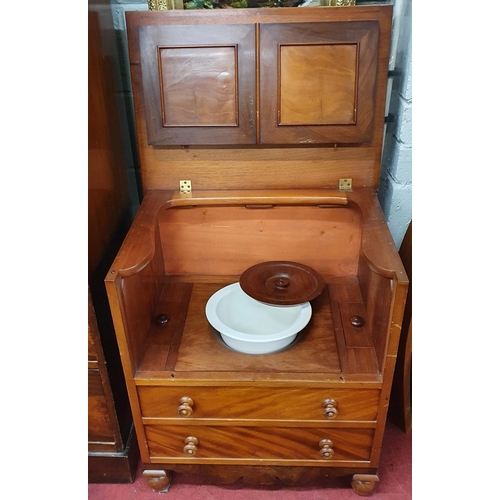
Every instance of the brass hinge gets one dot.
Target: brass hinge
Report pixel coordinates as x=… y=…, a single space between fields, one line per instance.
x=345 y=184
x=185 y=187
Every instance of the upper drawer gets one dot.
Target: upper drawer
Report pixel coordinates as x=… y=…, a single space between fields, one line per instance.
x=259 y=403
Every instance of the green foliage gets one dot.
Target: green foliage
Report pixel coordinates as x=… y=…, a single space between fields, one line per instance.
x=198 y=4
x=216 y=4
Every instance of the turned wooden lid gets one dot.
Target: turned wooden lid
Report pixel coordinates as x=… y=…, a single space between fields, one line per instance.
x=281 y=283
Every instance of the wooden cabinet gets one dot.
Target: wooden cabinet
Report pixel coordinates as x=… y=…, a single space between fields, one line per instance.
x=320 y=405
x=112 y=443
x=258 y=80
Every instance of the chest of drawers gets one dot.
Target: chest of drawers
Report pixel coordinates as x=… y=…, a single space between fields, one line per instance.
x=319 y=406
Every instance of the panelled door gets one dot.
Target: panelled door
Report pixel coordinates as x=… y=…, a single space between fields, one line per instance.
x=317 y=82
x=200 y=83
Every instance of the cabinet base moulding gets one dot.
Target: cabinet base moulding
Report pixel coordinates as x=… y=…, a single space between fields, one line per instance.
x=160 y=479
x=114 y=467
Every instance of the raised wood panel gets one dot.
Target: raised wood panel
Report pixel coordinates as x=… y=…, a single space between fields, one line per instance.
x=317 y=82
x=259 y=403
x=199 y=84
x=259 y=443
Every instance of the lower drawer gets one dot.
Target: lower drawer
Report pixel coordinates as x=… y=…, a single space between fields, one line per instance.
x=278 y=443
x=99 y=423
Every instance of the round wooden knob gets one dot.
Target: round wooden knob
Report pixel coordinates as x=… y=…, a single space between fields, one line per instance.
x=326 y=450
x=357 y=321
x=330 y=408
x=191 y=445
x=162 y=319
x=185 y=406
x=282 y=282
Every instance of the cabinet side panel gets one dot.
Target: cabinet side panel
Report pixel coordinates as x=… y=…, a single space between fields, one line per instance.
x=139 y=295
x=377 y=296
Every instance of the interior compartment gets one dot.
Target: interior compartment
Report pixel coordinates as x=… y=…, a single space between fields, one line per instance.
x=178 y=256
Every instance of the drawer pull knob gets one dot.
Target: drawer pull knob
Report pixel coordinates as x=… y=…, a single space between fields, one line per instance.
x=185 y=407
x=357 y=321
x=191 y=445
x=330 y=408
x=326 y=450
x=162 y=319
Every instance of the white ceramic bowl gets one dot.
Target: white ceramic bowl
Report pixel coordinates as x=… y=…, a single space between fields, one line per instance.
x=252 y=327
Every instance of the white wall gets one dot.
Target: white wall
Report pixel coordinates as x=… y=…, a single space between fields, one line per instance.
x=395 y=190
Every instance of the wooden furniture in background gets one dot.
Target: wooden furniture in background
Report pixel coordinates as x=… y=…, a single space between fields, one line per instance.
x=318 y=407
x=112 y=443
x=400 y=405
x=113 y=453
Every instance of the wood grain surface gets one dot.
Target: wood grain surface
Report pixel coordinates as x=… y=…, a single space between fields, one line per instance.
x=254 y=444
x=322 y=402
x=242 y=165
x=248 y=403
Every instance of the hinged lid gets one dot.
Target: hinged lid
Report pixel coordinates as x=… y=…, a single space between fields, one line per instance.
x=281 y=283
x=260 y=99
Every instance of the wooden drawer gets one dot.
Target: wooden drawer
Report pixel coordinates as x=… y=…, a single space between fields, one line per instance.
x=99 y=424
x=259 y=403
x=259 y=443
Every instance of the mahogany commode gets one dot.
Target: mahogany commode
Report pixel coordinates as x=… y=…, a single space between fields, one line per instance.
x=266 y=175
